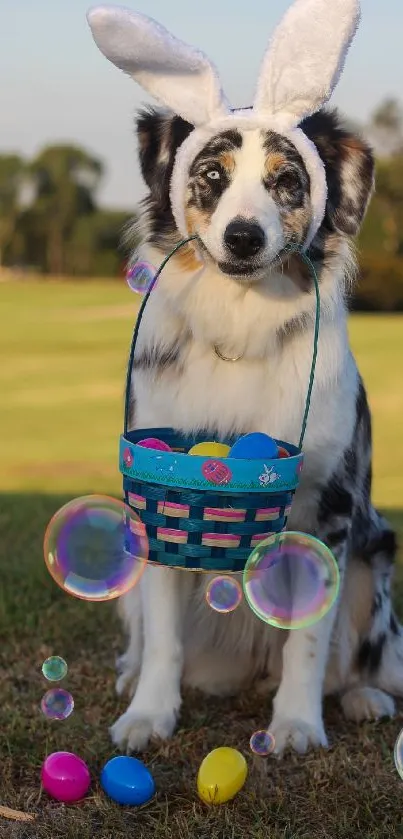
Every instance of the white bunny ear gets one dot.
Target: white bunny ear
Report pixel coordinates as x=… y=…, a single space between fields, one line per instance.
x=178 y=75
x=305 y=58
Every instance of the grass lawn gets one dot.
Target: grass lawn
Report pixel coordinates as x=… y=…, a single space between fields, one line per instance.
x=63 y=349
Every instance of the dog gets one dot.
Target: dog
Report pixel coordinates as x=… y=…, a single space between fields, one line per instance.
x=238 y=294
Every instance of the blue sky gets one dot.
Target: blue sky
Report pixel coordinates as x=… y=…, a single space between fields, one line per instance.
x=56 y=86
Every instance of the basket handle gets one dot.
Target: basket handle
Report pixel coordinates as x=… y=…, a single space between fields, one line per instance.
x=290 y=249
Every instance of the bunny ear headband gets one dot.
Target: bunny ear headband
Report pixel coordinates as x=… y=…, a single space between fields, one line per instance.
x=300 y=70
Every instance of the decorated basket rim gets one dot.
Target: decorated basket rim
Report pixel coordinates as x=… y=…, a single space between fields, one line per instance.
x=179 y=470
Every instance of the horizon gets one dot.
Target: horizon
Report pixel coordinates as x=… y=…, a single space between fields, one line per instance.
x=75 y=95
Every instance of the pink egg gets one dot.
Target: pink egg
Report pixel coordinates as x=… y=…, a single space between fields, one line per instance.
x=154 y=443
x=65 y=777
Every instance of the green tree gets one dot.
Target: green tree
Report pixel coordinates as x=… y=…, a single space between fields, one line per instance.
x=65 y=181
x=385 y=218
x=386 y=128
x=95 y=247
x=12 y=171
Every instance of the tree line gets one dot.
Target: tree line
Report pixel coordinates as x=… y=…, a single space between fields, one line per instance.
x=50 y=222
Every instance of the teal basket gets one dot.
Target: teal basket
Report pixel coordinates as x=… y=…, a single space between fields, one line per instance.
x=206 y=513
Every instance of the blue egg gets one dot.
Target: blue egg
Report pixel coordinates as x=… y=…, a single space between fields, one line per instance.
x=127 y=781
x=255 y=446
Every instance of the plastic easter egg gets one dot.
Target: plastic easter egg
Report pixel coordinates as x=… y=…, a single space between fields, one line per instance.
x=221 y=775
x=210 y=450
x=65 y=777
x=282 y=452
x=255 y=446
x=154 y=443
x=127 y=781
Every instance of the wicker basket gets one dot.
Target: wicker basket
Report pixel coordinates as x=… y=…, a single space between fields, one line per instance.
x=205 y=513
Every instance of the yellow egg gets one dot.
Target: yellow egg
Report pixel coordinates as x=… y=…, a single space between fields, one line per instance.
x=221 y=775
x=210 y=450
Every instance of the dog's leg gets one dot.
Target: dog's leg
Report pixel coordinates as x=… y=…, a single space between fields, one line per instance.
x=128 y=664
x=358 y=648
x=297 y=719
x=379 y=654
x=155 y=706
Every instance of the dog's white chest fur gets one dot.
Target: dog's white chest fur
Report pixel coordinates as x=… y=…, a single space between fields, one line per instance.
x=256 y=393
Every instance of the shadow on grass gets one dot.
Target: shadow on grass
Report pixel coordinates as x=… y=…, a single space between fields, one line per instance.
x=31 y=604
x=29 y=599
x=352 y=789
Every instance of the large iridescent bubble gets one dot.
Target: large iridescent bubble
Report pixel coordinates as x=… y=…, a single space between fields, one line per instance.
x=96 y=548
x=291 y=580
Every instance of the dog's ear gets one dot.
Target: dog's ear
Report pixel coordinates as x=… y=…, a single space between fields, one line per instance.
x=305 y=58
x=176 y=74
x=159 y=137
x=349 y=165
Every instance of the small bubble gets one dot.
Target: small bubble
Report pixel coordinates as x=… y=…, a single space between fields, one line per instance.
x=224 y=594
x=262 y=743
x=57 y=704
x=140 y=276
x=54 y=668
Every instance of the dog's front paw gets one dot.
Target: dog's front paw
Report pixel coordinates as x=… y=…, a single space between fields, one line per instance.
x=297 y=734
x=133 y=730
x=366 y=703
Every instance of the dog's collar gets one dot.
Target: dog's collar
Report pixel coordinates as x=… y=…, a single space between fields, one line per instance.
x=223 y=357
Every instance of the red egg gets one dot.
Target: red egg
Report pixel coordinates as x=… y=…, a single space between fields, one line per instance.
x=282 y=452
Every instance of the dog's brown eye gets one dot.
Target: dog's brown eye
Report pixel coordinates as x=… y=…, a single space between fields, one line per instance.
x=289 y=181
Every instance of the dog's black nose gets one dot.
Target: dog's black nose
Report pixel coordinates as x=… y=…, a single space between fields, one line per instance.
x=244 y=238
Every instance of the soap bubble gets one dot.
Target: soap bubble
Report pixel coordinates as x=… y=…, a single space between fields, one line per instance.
x=291 y=580
x=223 y=594
x=96 y=548
x=57 y=704
x=54 y=668
x=262 y=743
x=398 y=754
x=140 y=276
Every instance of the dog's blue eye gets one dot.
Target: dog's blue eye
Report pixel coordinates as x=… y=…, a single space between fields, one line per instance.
x=213 y=175
x=288 y=180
